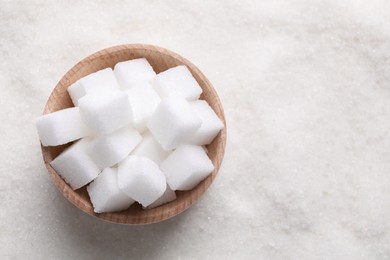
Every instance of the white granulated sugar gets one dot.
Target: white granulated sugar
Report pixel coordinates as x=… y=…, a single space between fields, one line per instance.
x=305 y=89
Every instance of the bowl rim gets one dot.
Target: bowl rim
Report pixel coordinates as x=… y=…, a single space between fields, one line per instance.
x=158 y=216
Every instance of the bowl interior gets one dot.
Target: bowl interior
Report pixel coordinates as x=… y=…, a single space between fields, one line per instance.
x=161 y=60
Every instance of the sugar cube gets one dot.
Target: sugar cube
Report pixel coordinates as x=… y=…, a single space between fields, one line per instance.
x=75 y=166
x=150 y=148
x=110 y=149
x=106 y=113
x=211 y=124
x=141 y=179
x=61 y=127
x=177 y=82
x=97 y=83
x=186 y=167
x=173 y=122
x=143 y=101
x=105 y=194
x=131 y=72
x=168 y=196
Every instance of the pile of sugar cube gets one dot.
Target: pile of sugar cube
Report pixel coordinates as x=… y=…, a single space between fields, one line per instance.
x=142 y=135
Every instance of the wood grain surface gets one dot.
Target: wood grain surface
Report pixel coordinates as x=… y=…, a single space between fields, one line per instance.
x=161 y=60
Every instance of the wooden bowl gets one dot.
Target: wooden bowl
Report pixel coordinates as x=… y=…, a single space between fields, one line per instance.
x=161 y=60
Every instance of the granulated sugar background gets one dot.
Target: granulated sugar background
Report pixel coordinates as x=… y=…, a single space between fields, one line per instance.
x=306 y=91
